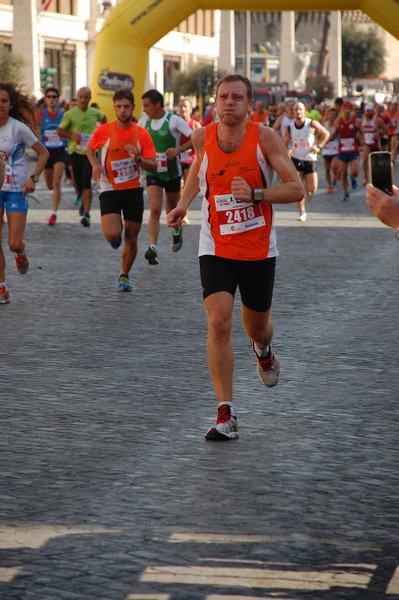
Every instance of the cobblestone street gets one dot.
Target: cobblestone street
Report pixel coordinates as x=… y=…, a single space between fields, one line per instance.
x=108 y=490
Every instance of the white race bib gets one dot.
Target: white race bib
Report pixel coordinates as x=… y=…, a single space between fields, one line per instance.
x=124 y=170
x=7 y=179
x=162 y=162
x=52 y=140
x=300 y=144
x=84 y=140
x=237 y=217
x=187 y=156
x=348 y=144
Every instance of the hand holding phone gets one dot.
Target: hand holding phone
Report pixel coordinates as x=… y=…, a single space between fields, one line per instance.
x=380 y=171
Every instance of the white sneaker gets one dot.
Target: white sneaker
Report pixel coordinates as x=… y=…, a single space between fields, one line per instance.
x=226 y=427
x=302 y=216
x=268 y=369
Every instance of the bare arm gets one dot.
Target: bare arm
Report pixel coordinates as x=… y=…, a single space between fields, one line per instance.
x=289 y=190
x=97 y=168
x=322 y=134
x=149 y=164
x=42 y=158
x=191 y=187
x=277 y=124
x=69 y=135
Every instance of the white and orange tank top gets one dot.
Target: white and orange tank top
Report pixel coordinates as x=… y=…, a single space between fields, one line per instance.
x=232 y=229
x=120 y=171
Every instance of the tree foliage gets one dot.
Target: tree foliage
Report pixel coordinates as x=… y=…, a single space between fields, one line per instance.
x=363 y=53
x=11 y=65
x=322 y=86
x=199 y=80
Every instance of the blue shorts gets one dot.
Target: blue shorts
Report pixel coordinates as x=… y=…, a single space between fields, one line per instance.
x=347 y=157
x=14 y=202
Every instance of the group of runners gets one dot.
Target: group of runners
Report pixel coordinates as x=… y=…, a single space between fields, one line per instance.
x=232 y=162
x=352 y=134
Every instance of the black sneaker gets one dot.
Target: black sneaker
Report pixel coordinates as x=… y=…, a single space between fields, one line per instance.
x=177 y=240
x=151 y=255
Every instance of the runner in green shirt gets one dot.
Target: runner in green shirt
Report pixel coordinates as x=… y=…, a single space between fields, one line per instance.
x=77 y=126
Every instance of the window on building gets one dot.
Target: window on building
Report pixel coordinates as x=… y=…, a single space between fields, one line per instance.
x=64 y=7
x=171 y=64
x=63 y=60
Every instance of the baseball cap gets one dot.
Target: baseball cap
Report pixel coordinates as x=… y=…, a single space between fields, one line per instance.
x=369 y=106
x=347 y=104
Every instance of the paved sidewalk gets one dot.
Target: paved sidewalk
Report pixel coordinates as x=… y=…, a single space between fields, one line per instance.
x=108 y=490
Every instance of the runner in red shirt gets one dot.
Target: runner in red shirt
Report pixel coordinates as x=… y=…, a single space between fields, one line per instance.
x=347 y=128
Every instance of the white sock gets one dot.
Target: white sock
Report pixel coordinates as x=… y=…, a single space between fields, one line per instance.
x=262 y=353
x=153 y=246
x=3 y=284
x=232 y=408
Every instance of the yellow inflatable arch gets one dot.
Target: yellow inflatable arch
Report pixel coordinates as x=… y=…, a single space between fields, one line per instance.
x=133 y=26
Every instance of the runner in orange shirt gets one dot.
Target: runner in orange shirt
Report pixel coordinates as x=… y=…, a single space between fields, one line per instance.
x=234 y=168
x=260 y=114
x=124 y=148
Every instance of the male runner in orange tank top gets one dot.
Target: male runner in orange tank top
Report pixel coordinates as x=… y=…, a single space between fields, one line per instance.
x=234 y=166
x=125 y=147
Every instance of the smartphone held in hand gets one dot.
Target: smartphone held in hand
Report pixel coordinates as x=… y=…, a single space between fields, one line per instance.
x=380 y=171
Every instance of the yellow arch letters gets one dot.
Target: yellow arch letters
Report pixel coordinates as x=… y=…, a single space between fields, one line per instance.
x=133 y=26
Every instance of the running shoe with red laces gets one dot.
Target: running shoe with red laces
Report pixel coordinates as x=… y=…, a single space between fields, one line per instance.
x=4 y=295
x=268 y=368
x=21 y=262
x=330 y=189
x=52 y=220
x=226 y=427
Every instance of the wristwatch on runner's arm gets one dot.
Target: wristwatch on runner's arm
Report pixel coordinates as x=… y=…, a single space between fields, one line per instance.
x=257 y=195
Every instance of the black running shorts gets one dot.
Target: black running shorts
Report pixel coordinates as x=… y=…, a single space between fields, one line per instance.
x=82 y=171
x=254 y=278
x=56 y=155
x=129 y=203
x=172 y=185
x=304 y=166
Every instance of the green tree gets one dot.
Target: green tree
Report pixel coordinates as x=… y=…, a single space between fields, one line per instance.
x=199 y=80
x=322 y=86
x=11 y=65
x=363 y=53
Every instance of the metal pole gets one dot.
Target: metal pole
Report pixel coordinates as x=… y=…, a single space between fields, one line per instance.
x=248 y=45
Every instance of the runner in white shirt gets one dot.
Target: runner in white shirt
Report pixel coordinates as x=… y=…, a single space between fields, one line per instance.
x=16 y=119
x=330 y=152
x=307 y=137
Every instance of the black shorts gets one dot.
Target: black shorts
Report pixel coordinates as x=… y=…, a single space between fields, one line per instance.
x=173 y=185
x=56 y=155
x=254 y=278
x=329 y=157
x=304 y=166
x=129 y=203
x=82 y=171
